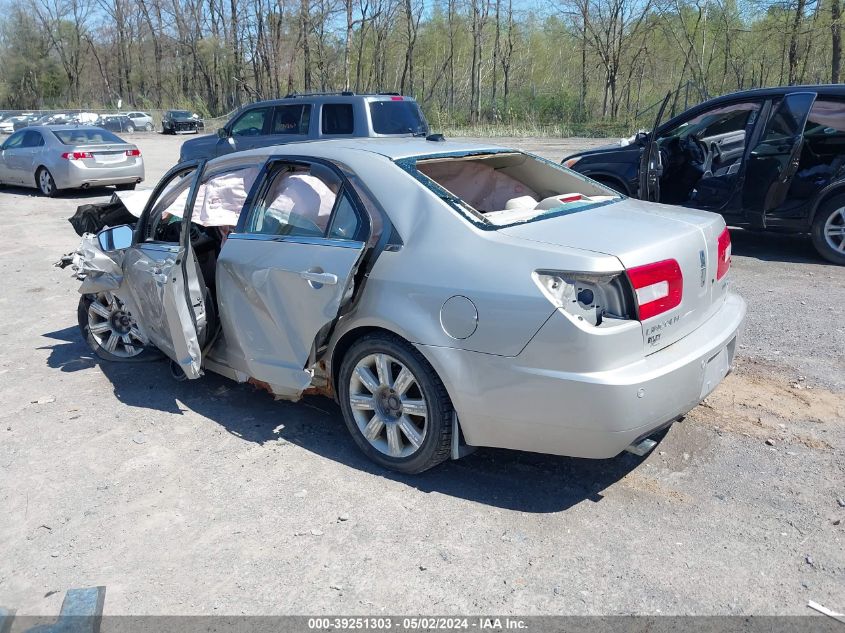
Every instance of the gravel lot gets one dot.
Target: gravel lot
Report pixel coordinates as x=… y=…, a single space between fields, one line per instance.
x=210 y=498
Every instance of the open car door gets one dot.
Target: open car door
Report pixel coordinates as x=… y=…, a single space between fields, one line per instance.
x=167 y=294
x=651 y=164
x=773 y=161
x=288 y=270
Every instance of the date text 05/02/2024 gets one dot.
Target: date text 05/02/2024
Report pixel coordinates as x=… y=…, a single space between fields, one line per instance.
x=433 y=623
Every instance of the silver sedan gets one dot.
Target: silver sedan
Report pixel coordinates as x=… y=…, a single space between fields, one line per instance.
x=69 y=157
x=448 y=295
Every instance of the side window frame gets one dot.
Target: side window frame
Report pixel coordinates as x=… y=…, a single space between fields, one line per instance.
x=303 y=107
x=265 y=125
x=29 y=134
x=322 y=120
x=21 y=134
x=264 y=181
x=138 y=239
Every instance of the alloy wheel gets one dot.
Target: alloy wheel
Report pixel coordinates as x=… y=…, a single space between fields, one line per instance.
x=834 y=230
x=388 y=405
x=112 y=327
x=45 y=182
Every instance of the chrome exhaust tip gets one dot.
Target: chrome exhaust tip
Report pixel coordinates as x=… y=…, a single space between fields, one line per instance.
x=642 y=448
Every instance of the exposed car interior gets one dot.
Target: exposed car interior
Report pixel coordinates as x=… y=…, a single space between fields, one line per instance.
x=297 y=201
x=823 y=151
x=702 y=156
x=512 y=187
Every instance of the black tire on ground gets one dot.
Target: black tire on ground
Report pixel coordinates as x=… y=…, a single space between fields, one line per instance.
x=437 y=440
x=129 y=186
x=149 y=127
x=130 y=129
x=830 y=216
x=45 y=183
x=145 y=354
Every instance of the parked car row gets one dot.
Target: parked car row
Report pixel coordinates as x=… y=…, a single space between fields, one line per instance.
x=12 y=121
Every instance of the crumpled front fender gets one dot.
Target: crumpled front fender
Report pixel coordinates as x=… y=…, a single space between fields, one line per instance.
x=98 y=271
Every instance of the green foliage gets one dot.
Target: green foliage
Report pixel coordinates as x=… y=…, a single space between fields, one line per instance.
x=61 y=53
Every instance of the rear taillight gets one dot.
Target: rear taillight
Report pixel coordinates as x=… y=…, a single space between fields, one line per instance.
x=724 y=263
x=659 y=287
x=77 y=155
x=133 y=152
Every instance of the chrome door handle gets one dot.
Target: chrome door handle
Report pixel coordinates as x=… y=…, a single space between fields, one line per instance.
x=318 y=277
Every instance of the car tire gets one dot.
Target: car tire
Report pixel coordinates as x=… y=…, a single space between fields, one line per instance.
x=129 y=129
x=98 y=325
x=149 y=127
x=402 y=441
x=828 y=230
x=45 y=182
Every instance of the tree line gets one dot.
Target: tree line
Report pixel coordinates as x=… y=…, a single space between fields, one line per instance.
x=575 y=63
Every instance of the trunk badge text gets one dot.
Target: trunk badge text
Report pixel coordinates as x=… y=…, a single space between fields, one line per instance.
x=702 y=257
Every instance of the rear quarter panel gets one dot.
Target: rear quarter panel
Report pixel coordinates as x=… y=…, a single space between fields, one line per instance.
x=444 y=255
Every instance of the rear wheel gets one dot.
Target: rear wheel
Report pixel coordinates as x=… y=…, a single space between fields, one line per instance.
x=110 y=330
x=45 y=182
x=828 y=230
x=130 y=129
x=395 y=405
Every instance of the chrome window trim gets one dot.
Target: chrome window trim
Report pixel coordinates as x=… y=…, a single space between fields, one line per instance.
x=296 y=239
x=167 y=247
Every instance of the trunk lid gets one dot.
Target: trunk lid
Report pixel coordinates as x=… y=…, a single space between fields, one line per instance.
x=638 y=233
x=105 y=156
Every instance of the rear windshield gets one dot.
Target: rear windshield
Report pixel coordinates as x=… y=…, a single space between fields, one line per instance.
x=502 y=188
x=181 y=113
x=86 y=137
x=397 y=117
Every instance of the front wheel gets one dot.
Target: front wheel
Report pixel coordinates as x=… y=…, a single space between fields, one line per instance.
x=394 y=404
x=828 y=230
x=110 y=330
x=148 y=127
x=45 y=182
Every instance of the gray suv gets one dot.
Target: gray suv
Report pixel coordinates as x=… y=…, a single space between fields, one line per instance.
x=304 y=117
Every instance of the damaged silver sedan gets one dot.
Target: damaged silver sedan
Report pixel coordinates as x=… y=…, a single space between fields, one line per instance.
x=447 y=295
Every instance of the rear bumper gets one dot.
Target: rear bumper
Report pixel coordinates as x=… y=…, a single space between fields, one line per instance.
x=75 y=175
x=506 y=402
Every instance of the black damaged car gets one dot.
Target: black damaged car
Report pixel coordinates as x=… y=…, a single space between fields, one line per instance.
x=767 y=159
x=181 y=122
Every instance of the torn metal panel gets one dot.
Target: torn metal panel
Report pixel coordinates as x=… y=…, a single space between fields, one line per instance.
x=273 y=301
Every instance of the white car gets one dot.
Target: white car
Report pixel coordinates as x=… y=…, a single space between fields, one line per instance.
x=142 y=120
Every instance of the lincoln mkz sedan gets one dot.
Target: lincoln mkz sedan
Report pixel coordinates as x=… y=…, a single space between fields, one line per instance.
x=448 y=295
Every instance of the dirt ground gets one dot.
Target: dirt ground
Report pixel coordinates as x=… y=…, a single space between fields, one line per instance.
x=208 y=497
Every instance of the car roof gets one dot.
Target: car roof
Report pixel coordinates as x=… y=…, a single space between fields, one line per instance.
x=65 y=128
x=392 y=148
x=333 y=97
x=763 y=93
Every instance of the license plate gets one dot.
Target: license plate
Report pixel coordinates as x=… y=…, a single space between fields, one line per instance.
x=715 y=369
x=108 y=159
